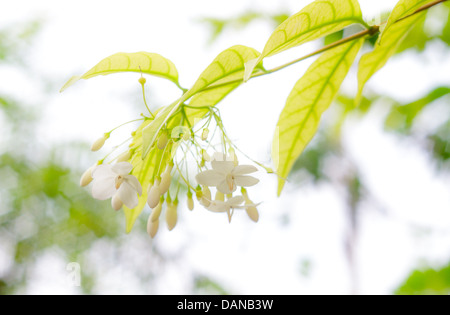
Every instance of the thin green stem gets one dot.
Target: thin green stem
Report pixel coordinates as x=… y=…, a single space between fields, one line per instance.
x=128 y=122
x=145 y=101
x=421 y=9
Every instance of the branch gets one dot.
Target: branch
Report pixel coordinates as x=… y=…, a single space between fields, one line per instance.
x=367 y=32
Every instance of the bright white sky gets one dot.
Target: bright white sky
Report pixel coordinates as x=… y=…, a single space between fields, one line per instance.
x=247 y=258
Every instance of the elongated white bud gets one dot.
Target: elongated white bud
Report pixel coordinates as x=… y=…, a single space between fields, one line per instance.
x=156 y=212
x=124 y=157
x=205 y=134
x=154 y=195
x=86 y=178
x=171 y=215
x=190 y=202
x=152 y=227
x=116 y=203
x=162 y=141
x=166 y=179
x=99 y=143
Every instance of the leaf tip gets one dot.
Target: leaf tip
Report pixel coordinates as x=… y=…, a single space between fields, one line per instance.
x=249 y=67
x=281 y=183
x=71 y=81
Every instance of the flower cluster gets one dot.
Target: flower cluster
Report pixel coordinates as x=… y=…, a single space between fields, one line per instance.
x=155 y=168
x=226 y=174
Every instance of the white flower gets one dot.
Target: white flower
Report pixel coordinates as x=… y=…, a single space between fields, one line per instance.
x=113 y=180
x=226 y=206
x=226 y=176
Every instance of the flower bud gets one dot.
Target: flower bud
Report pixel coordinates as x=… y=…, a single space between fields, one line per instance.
x=98 y=144
x=166 y=179
x=142 y=80
x=86 y=178
x=116 y=203
x=171 y=215
x=152 y=227
x=124 y=157
x=154 y=195
x=205 y=156
x=156 y=212
x=190 y=201
x=205 y=134
x=186 y=136
x=162 y=141
x=199 y=193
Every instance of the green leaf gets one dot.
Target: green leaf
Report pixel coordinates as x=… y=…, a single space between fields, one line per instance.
x=220 y=78
x=310 y=97
x=388 y=44
x=151 y=131
x=402 y=116
x=145 y=169
x=149 y=63
x=318 y=19
x=403 y=9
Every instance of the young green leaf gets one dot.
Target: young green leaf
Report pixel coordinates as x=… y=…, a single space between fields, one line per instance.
x=220 y=78
x=216 y=81
x=310 y=97
x=144 y=171
x=389 y=42
x=150 y=132
x=318 y=19
x=149 y=63
x=405 y=8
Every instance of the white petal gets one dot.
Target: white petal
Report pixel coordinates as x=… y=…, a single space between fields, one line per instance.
x=102 y=171
x=128 y=195
x=133 y=181
x=219 y=156
x=103 y=188
x=235 y=201
x=224 y=188
x=252 y=213
x=209 y=178
x=218 y=206
x=244 y=169
x=122 y=168
x=245 y=181
x=224 y=167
